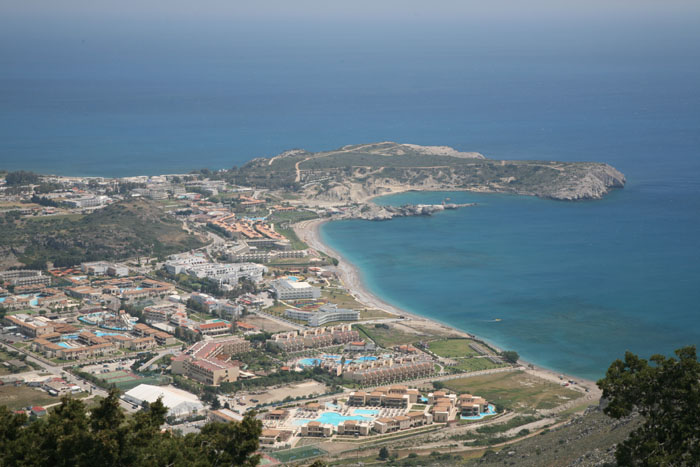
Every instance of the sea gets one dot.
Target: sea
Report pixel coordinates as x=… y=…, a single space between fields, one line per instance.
x=569 y=285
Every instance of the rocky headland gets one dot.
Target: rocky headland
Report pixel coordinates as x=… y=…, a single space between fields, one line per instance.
x=357 y=173
x=374 y=212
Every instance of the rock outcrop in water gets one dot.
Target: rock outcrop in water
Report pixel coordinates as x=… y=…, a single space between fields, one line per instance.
x=374 y=212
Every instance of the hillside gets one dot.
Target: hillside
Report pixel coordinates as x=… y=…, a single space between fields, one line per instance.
x=586 y=440
x=356 y=173
x=122 y=230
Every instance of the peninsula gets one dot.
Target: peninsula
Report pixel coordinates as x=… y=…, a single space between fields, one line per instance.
x=356 y=173
x=215 y=289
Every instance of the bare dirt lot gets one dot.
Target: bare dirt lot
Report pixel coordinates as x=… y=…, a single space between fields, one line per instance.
x=266 y=324
x=305 y=388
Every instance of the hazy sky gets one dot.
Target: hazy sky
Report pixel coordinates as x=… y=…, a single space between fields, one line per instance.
x=364 y=10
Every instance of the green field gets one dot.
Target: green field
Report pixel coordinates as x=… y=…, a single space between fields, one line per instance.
x=16 y=397
x=341 y=298
x=452 y=348
x=125 y=380
x=296 y=454
x=291 y=235
x=476 y=364
x=387 y=337
x=515 y=390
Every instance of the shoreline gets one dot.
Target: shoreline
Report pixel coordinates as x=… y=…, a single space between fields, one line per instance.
x=350 y=276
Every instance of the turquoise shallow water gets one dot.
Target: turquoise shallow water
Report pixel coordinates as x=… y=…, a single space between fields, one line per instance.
x=573 y=284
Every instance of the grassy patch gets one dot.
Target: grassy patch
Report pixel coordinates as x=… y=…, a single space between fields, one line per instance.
x=451 y=348
x=16 y=397
x=476 y=364
x=341 y=298
x=374 y=313
x=291 y=235
x=515 y=390
x=296 y=454
x=387 y=336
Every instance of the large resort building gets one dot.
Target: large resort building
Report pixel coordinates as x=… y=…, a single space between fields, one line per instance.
x=286 y=289
x=388 y=370
x=21 y=277
x=209 y=362
x=384 y=410
x=295 y=341
x=326 y=314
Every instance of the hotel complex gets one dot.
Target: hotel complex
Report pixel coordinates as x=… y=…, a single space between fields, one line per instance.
x=209 y=362
x=325 y=314
x=287 y=289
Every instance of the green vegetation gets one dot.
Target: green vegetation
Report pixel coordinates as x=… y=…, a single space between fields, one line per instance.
x=475 y=364
x=126 y=229
x=386 y=335
x=298 y=454
x=404 y=164
x=291 y=235
x=451 y=348
x=512 y=423
x=666 y=393
x=70 y=436
x=341 y=298
x=12 y=361
x=514 y=390
x=510 y=356
x=21 y=178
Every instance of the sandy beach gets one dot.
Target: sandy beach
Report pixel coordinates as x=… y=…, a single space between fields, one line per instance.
x=309 y=232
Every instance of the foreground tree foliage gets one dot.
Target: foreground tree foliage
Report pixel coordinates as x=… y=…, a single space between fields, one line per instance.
x=666 y=393
x=70 y=436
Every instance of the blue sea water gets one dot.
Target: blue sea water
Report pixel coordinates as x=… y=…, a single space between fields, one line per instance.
x=574 y=284
x=570 y=286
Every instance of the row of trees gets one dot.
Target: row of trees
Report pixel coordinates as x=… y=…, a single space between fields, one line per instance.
x=73 y=436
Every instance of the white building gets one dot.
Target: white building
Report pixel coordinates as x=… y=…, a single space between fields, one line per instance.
x=88 y=201
x=325 y=314
x=178 y=264
x=100 y=268
x=180 y=403
x=286 y=289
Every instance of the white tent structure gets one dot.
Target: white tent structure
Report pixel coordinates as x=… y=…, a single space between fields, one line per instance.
x=179 y=403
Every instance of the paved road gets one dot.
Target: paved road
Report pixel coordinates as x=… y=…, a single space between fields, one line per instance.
x=172 y=351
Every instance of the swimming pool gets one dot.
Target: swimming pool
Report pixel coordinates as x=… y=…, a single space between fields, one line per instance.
x=65 y=345
x=336 y=358
x=101 y=334
x=366 y=412
x=368 y=358
x=292 y=278
x=332 y=418
x=491 y=410
x=309 y=362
